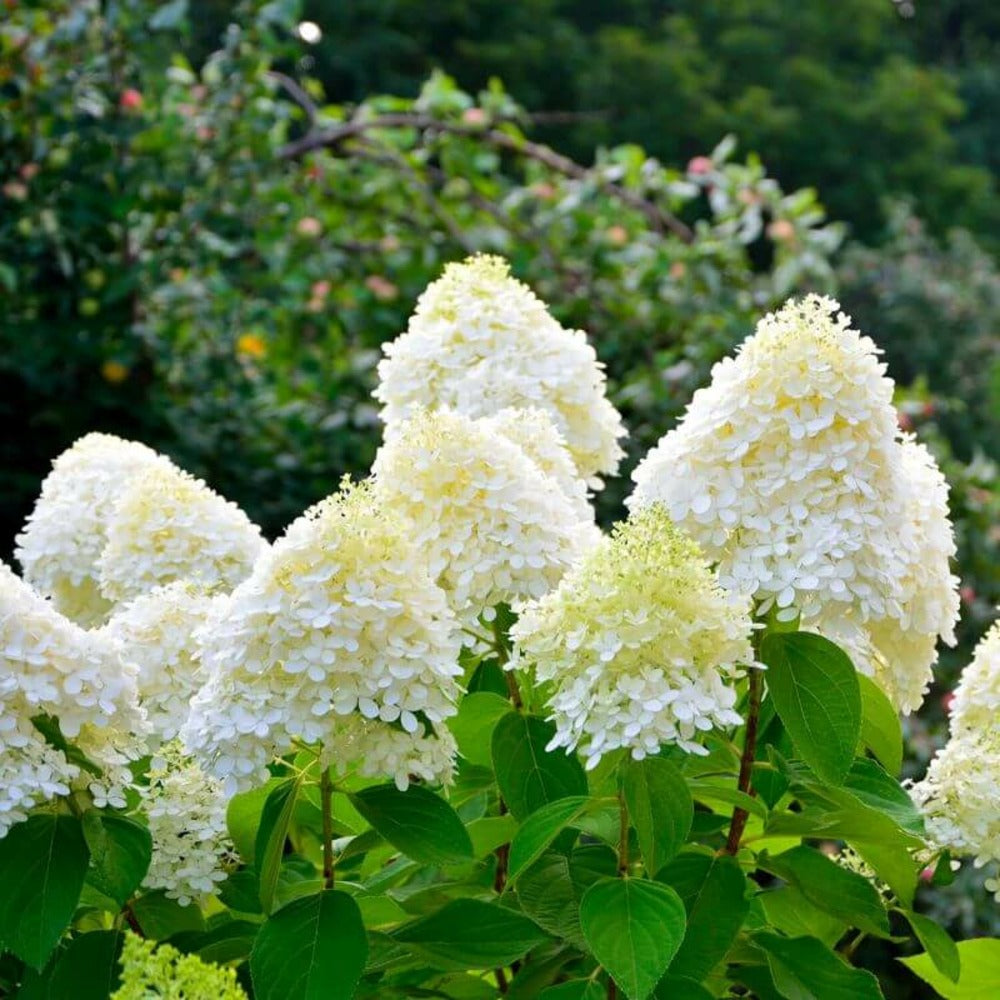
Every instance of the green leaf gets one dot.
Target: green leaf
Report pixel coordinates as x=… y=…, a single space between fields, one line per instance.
x=120 y=851
x=473 y=726
x=576 y=989
x=43 y=864
x=88 y=967
x=634 y=927
x=243 y=817
x=672 y=987
x=312 y=949
x=471 y=934
x=980 y=975
x=789 y=911
x=805 y=969
x=529 y=776
x=816 y=692
x=881 y=730
x=893 y=864
x=269 y=847
x=713 y=889
x=937 y=944
x=660 y=808
x=839 y=892
x=417 y=822
x=540 y=829
x=161 y=917
x=868 y=782
x=488 y=833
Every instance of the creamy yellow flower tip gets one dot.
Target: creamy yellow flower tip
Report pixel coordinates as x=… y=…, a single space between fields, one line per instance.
x=51 y=667
x=65 y=534
x=340 y=618
x=165 y=526
x=493 y=527
x=790 y=472
x=152 y=970
x=479 y=342
x=976 y=707
x=639 y=642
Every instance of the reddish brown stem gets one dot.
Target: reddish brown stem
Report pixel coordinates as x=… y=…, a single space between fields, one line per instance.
x=740 y=815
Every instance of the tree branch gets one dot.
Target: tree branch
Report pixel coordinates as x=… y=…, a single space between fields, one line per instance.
x=659 y=218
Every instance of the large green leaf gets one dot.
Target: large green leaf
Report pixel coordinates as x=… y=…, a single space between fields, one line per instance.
x=938 y=945
x=980 y=971
x=713 y=889
x=312 y=949
x=839 y=892
x=88 y=967
x=816 y=692
x=43 y=864
x=881 y=731
x=471 y=934
x=243 y=816
x=634 y=927
x=417 y=822
x=871 y=784
x=472 y=727
x=660 y=808
x=805 y=969
x=672 y=987
x=530 y=776
x=576 y=989
x=540 y=829
x=161 y=917
x=120 y=851
x=788 y=910
x=269 y=846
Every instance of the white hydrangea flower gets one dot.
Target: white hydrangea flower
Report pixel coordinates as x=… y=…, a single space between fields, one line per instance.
x=494 y=528
x=186 y=813
x=340 y=617
x=375 y=749
x=976 y=707
x=788 y=469
x=534 y=432
x=165 y=526
x=959 y=798
x=66 y=532
x=479 y=342
x=155 y=633
x=51 y=669
x=639 y=642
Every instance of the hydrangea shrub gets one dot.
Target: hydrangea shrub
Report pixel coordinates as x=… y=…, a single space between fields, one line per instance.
x=446 y=738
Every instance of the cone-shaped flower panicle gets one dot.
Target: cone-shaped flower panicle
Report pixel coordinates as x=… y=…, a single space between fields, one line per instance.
x=639 y=643
x=166 y=526
x=790 y=472
x=67 y=531
x=51 y=669
x=185 y=810
x=492 y=525
x=150 y=969
x=156 y=635
x=480 y=341
x=959 y=795
x=341 y=616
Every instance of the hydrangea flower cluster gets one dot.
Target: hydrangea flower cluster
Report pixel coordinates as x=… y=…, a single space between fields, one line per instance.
x=151 y=969
x=790 y=472
x=958 y=795
x=492 y=525
x=186 y=813
x=341 y=616
x=63 y=539
x=155 y=635
x=479 y=342
x=165 y=526
x=639 y=642
x=51 y=669
x=115 y=519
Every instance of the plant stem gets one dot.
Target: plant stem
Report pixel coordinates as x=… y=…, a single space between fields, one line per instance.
x=503 y=658
x=501 y=980
x=740 y=815
x=325 y=795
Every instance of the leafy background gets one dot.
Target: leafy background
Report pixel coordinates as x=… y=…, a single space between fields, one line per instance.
x=173 y=269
